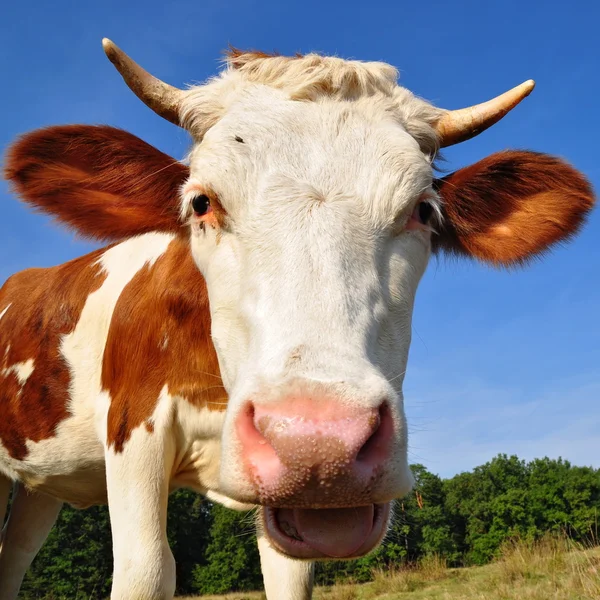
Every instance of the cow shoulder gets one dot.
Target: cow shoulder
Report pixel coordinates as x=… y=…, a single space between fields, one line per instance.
x=160 y=339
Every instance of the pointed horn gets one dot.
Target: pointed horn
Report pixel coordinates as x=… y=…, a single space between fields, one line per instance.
x=161 y=97
x=456 y=126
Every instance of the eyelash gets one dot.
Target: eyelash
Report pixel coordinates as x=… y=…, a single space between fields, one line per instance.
x=424 y=210
x=421 y=216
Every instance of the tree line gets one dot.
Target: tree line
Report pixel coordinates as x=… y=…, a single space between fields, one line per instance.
x=464 y=519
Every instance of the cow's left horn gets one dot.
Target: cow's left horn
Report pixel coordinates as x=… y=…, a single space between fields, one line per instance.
x=457 y=126
x=161 y=97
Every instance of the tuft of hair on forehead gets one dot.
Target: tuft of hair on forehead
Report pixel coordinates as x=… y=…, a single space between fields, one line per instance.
x=236 y=57
x=310 y=77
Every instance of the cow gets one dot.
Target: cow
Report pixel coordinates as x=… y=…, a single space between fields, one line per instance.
x=242 y=331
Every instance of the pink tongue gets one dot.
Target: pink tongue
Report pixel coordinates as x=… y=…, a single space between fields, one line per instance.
x=336 y=532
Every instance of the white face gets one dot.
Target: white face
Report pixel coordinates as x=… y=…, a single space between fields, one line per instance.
x=311 y=275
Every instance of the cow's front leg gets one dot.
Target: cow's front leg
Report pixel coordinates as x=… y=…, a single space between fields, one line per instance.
x=137 y=473
x=285 y=578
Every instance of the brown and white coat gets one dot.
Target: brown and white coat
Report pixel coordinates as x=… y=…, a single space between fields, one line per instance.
x=241 y=334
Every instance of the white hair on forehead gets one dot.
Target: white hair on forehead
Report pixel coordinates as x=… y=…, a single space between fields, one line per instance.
x=311 y=78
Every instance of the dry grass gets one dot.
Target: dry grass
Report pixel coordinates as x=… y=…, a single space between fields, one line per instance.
x=339 y=592
x=550 y=569
x=235 y=596
x=408 y=579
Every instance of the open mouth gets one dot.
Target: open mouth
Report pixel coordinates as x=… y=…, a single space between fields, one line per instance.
x=327 y=532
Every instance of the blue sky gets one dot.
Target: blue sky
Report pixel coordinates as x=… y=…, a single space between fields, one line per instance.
x=500 y=361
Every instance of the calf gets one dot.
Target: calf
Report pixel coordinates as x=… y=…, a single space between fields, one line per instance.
x=242 y=333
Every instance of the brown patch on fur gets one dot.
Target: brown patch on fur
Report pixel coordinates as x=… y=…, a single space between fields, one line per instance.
x=295 y=356
x=512 y=206
x=238 y=58
x=233 y=54
x=165 y=300
x=102 y=181
x=45 y=305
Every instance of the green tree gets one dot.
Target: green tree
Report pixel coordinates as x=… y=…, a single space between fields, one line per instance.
x=232 y=561
x=465 y=519
x=188 y=529
x=76 y=561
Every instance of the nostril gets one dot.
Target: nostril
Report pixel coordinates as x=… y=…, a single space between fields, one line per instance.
x=289 y=443
x=258 y=453
x=248 y=430
x=378 y=447
x=245 y=423
x=365 y=449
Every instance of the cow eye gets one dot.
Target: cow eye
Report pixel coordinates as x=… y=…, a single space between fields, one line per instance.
x=424 y=210
x=201 y=205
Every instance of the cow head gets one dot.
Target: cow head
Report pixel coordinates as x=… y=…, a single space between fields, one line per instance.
x=312 y=209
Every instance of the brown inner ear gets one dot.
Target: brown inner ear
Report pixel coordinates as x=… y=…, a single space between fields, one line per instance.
x=104 y=182
x=511 y=206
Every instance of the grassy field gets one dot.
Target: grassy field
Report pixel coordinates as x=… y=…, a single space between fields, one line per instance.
x=548 y=570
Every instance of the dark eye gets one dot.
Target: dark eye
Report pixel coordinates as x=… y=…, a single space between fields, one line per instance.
x=201 y=204
x=425 y=210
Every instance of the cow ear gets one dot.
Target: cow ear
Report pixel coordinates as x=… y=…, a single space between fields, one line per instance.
x=103 y=182
x=511 y=206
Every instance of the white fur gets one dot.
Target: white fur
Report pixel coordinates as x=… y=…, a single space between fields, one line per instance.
x=313 y=256
x=4 y=310
x=22 y=370
x=284 y=577
x=138 y=488
x=312 y=262
x=312 y=78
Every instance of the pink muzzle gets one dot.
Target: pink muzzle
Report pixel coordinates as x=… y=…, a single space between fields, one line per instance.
x=315 y=463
